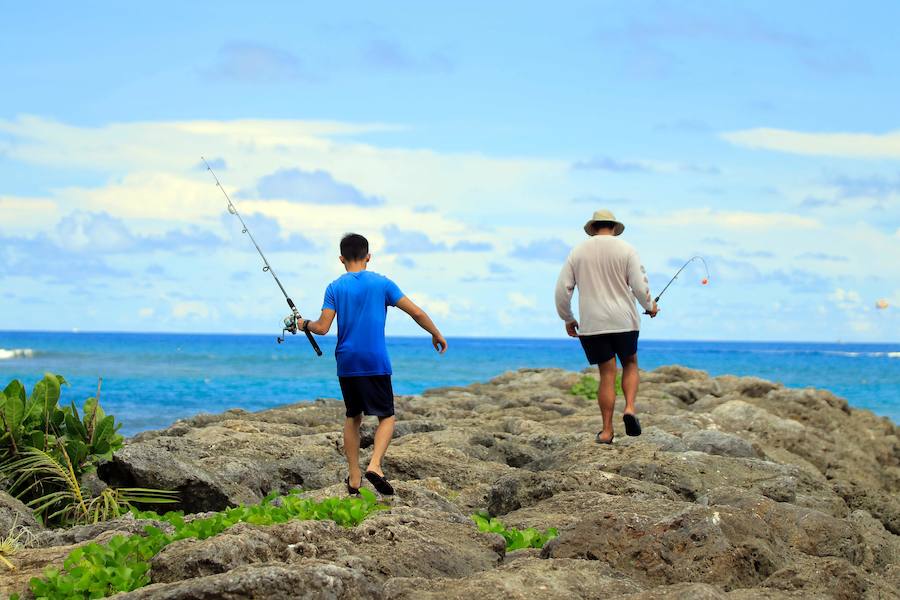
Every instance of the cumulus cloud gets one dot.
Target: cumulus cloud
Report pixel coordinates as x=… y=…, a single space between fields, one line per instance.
x=99 y=232
x=268 y=234
x=218 y=164
x=647 y=39
x=249 y=62
x=822 y=256
x=390 y=55
x=467 y=246
x=735 y=219
x=192 y=310
x=436 y=307
x=612 y=165
x=518 y=300
x=41 y=258
x=400 y=241
x=873 y=185
x=605 y=163
x=849 y=145
x=29 y=212
x=311 y=187
x=552 y=250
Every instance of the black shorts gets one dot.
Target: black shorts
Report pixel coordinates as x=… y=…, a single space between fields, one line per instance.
x=600 y=348
x=369 y=394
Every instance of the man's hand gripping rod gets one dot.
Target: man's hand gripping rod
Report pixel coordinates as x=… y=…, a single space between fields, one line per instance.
x=689 y=261
x=291 y=323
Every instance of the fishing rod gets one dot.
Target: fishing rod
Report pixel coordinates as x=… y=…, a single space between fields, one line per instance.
x=291 y=321
x=703 y=281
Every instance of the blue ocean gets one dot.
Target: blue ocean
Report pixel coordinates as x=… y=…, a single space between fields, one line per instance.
x=150 y=380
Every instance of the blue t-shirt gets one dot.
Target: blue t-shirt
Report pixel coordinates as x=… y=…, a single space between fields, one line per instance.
x=360 y=301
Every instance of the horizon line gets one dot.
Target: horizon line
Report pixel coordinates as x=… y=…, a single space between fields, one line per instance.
x=459 y=337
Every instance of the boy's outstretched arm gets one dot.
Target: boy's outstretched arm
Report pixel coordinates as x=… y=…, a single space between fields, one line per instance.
x=321 y=325
x=421 y=317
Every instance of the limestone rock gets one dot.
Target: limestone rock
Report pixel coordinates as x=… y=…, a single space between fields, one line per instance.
x=15 y=516
x=738 y=489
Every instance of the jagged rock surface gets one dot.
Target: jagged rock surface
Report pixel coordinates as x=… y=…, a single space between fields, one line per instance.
x=738 y=488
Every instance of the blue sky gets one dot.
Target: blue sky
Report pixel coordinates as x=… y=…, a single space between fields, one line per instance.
x=470 y=142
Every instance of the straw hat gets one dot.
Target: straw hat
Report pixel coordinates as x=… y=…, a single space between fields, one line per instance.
x=603 y=215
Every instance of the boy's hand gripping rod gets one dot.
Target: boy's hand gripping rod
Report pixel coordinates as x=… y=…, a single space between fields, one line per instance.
x=292 y=322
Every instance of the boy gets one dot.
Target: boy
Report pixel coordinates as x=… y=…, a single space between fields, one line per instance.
x=360 y=299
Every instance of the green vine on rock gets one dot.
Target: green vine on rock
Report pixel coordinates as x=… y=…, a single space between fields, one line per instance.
x=587 y=387
x=516 y=539
x=123 y=563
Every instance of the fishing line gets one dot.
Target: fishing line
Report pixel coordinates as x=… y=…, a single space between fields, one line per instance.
x=703 y=281
x=292 y=320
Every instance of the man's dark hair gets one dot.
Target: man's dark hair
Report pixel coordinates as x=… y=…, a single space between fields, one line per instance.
x=598 y=225
x=354 y=247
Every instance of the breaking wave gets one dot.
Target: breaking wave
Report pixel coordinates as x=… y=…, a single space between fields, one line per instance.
x=866 y=354
x=16 y=353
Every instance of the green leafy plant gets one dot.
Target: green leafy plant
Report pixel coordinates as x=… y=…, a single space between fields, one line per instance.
x=516 y=539
x=587 y=387
x=11 y=544
x=123 y=563
x=46 y=449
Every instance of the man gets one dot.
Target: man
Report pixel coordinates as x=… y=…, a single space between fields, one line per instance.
x=609 y=276
x=360 y=299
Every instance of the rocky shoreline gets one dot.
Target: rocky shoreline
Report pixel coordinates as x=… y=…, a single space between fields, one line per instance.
x=738 y=488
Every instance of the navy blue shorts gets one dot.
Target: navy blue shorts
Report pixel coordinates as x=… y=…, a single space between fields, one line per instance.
x=369 y=394
x=600 y=348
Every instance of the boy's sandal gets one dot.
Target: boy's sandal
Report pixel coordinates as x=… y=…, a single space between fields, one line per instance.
x=632 y=425
x=380 y=483
x=350 y=489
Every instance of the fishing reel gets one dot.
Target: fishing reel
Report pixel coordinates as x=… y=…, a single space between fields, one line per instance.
x=290 y=326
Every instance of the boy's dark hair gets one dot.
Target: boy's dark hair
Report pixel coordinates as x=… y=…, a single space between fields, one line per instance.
x=354 y=247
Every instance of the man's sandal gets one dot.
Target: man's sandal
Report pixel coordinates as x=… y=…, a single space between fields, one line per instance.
x=632 y=425
x=609 y=441
x=380 y=483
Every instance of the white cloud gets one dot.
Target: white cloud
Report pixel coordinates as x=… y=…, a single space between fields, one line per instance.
x=150 y=155
x=193 y=309
x=18 y=213
x=146 y=312
x=519 y=300
x=847 y=300
x=149 y=181
x=737 y=220
x=435 y=307
x=851 y=145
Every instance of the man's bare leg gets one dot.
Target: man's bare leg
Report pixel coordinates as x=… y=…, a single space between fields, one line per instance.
x=606 y=397
x=630 y=381
x=351 y=448
x=383 y=436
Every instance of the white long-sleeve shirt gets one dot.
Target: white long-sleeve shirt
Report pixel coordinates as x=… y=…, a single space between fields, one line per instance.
x=609 y=275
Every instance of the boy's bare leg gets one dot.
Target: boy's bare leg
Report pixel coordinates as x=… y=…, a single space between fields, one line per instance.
x=351 y=448
x=630 y=381
x=606 y=397
x=383 y=435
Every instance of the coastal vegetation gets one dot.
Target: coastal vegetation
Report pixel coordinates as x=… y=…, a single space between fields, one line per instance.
x=739 y=487
x=123 y=563
x=49 y=455
x=516 y=539
x=587 y=387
